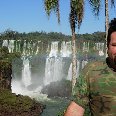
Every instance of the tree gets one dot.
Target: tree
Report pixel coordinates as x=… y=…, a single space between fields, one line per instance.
x=76 y=17
x=107 y=18
x=106 y=14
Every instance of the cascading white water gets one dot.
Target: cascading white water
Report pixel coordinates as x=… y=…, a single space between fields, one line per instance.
x=69 y=77
x=18 y=46
x=54 y=49
x=11 y=46
x=66 y=49
x=22 y=86
x=37 y=50
x=101 y=51
x=53 y=70
x=26 y=73
x=24 y=48
x=85 y=46
x=5 y=43
x=54 y=62
x=100 y=47
x=54 y=65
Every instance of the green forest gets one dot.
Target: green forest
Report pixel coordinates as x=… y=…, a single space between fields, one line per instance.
x=52 y=36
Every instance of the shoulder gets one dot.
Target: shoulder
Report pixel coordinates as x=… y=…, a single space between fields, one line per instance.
x=92 y=66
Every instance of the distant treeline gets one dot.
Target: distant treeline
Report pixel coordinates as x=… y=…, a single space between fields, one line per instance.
x=52 y=36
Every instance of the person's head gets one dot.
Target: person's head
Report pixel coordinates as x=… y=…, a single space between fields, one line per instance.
x=111 y=41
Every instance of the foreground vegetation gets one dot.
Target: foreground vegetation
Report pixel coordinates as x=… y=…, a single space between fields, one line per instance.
x=18 y=105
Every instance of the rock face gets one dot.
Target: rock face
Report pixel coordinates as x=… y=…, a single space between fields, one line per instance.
x=5 y=75
x=58 y=89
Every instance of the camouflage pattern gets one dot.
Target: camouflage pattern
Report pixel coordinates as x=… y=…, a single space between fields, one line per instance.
x=96 y=89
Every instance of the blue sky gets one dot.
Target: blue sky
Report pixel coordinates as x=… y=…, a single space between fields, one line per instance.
x=30 y=16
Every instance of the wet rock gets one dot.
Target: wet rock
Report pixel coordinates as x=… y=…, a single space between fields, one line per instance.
x=58 y=89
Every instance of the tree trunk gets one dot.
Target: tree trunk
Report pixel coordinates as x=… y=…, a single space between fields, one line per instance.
x=73 y=59
x=106 y=22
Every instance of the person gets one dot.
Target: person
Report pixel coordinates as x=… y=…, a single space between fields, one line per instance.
x=95 y=88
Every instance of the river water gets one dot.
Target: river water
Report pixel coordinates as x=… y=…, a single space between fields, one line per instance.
x=55 y=106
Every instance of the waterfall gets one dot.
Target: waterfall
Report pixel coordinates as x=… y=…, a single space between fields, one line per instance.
x=53 y=70
x=54 y=49
x=100 y=47
x=26 y=73
x=101 y=51
x=5 y=43
x=37 y=49
x=18 y=46
x=85 y=46
x=66 y=49
x=11 y=46
x=54 y=62
x=24 y=48
x=69 y=77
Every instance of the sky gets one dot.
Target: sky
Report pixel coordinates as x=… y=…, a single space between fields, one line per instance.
x=30 y=16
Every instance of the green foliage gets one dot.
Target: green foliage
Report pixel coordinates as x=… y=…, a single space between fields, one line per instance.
x=6 y=56
x=6 y=60
x=54 y=36
x=76 y=13
x=15 y=102
x=49 y=5
x=3 y=52
x=12 y=104
x=52 y=5
x=95 y=37
x=95 y=4
x=5 y=64
x=12 y=56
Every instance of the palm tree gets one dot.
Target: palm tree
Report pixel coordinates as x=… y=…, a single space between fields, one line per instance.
x=106 y=14
x=76 y=17
x=107 y=19
x=106 y=22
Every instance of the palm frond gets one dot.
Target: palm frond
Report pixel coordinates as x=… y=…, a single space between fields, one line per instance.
x=72 y=18
x=52 y=5
x=112 y=3
x=76 y=13
x=95 y=4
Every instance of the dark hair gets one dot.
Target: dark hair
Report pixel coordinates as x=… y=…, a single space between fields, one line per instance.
x=112 y=28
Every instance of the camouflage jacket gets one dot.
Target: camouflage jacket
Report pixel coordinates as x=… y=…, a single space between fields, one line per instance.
x=96 y=89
